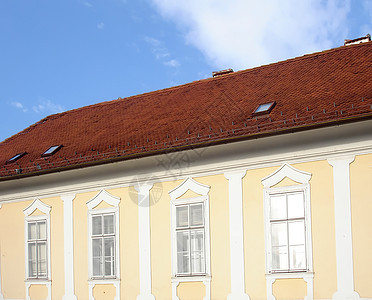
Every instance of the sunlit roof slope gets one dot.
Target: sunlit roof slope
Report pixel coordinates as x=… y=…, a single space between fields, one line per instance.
x=320 y=89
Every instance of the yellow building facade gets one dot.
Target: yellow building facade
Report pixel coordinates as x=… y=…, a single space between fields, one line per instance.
x=199 y=230
x=250 y=185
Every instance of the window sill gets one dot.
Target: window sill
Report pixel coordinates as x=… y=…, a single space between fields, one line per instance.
x=38 y=281
x=104 y=281
x=290 y=275
x=196 y=278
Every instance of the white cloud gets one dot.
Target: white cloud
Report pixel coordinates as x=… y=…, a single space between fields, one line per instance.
x=19 y=105
x=100 y=25
x=172 y=63
x=246 y=33
x=47 y=107
x=161 y=52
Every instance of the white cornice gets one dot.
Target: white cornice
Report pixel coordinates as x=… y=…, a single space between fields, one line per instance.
x=315 y=145
x=286 y=171
x=189 y=184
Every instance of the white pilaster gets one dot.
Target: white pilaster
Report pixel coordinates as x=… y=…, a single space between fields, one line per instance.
x=236 y=236
x=144 y=241
x=344 y=247
x=68 y=246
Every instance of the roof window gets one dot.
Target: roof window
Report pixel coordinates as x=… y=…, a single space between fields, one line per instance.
x=16 y=157
x=264 y=108
x=51 y=150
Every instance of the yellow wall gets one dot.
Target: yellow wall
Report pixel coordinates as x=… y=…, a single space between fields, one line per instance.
x=323 y=239
x=361 y=209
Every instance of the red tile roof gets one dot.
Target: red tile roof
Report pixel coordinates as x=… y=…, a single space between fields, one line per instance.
x=320 y=89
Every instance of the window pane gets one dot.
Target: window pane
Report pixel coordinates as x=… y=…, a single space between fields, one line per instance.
x=97 y=247
x=280 y=258
x=42 y=259
x=109 y=256
x=296 y=205
x=97 y=225
x=297 y=257
x=296 y=233
x=32 y=231
x=197 y=251
x=41 y=230
x=196 y=215
x=32 y=269
x=278 y=207
x=108 y=221
x=97 y=263
x=183 y=252
x=279 y=234
x=182 y=216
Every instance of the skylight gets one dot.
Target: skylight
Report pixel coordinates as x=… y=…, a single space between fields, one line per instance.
x=52 y=150
x=16 y=157
x=264 y=108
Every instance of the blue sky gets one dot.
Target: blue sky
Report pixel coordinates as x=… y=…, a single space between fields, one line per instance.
x=57 y=55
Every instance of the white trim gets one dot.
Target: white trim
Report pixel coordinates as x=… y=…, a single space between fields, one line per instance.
x=114 y=282
x=344 y=247
x=92 y=204
x=202 y=190
x=308 y=277
x=37 y=204
x=68 y=246
x=45 y=209
x=286 y=171
x=316 y=145
x=189 y=184
x=236 y=236
x=47 y=283
x=205 y=279
x=302 y=178
x=103 y=196
x=144 y=238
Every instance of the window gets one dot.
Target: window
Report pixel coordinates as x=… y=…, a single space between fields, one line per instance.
x=103 y=245
x=37 y=244
x=190 y=239
x=16 y=157
x=52 y=150
x=287 y=232
x=288 y=223
x=264 y=108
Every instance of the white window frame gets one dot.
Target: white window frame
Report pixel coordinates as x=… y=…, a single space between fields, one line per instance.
x=189 y=202
x=91 y=204
x=302 y=184
x=304 y=189
x=45 y=209
x=175 y=194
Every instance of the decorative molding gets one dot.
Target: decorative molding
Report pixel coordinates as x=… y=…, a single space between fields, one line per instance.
x=115 y=283
x=47 y=283
x=308 y=277
x=144 y=238
x=37 y=204
x=202 y=190
x=68 y=221
x=344 y=247
x=45 y=209
x=302 y=178
x=205 y=279
x=286 y=171
x=214 y=162
x=103 y=196
x=189 y=184
x=236 y=236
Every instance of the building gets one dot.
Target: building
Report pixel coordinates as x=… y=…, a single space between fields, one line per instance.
x=254 y=184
